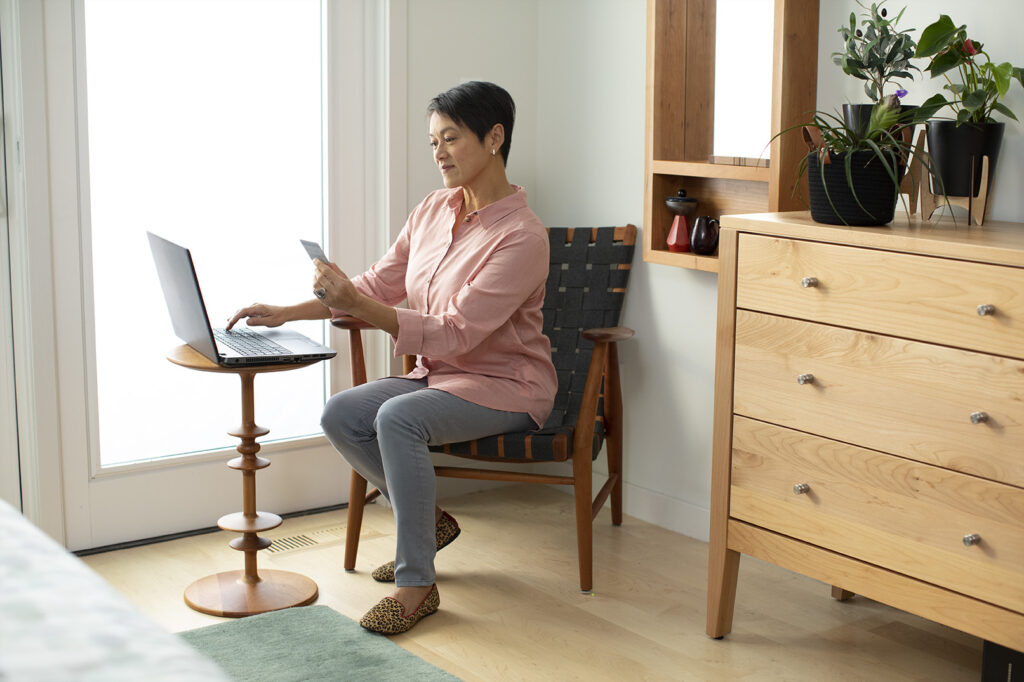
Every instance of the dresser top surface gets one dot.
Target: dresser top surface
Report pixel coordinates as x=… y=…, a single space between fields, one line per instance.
x=994 y=242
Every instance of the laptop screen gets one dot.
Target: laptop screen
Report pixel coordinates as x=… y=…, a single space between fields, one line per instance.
x=184 y=299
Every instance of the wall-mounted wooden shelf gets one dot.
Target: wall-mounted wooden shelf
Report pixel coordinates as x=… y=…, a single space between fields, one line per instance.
x=680 y=120
x=710 y=170
x=683 y=260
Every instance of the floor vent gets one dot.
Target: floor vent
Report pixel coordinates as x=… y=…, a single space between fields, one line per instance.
x=291 y=542
x=317 y=538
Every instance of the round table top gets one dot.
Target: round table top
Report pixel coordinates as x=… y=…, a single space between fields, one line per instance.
x=187 y=356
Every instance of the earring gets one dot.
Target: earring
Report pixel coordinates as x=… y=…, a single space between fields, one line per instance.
x=492 y=151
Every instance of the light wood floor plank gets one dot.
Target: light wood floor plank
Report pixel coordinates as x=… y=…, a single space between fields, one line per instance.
x=511 y=608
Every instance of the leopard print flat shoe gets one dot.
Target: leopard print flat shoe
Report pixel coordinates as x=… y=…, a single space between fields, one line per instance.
x=388 y=617
x=447 y=529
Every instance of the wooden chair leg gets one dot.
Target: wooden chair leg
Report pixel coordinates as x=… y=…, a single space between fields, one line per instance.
x=357 y=484
x=613 y=428
x=582 y=491
x=356 y=501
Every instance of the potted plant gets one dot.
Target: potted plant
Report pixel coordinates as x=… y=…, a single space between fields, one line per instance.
x=854 y=174
x=975 y=84
x=876 y=53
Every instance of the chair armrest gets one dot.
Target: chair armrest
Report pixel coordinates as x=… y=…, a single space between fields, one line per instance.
x=605 y=359
x=608 y=334
x=350 y=323
x=354 y=325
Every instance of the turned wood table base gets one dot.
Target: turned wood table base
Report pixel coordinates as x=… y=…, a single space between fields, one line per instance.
x=230 y=595
x=235 y=594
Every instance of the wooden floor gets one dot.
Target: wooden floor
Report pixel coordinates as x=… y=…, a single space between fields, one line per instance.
x=511 y=607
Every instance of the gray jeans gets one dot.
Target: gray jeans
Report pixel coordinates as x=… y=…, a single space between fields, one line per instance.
x=383 y=430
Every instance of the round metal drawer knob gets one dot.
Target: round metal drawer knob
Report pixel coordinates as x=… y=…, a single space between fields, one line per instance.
x=805 y=379
x=979 y=417
x=986 y=309
x=808 y=282
x=803 y=488
x=971 y=539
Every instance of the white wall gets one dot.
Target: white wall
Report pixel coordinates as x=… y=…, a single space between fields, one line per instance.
x=591 y=172
x=578 y=75
x=452 y=41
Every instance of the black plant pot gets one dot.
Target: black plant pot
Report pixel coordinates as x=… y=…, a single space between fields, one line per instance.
x=956 y=150
x=857 y=117
x=873 y=199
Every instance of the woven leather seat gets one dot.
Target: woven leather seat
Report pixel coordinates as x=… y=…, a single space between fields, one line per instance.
x=583 y=301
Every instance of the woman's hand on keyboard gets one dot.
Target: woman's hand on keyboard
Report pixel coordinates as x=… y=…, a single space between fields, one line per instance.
x=260 y=315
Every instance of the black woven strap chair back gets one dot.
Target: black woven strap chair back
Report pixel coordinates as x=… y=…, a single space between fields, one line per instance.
x=586 y=285
x=582 y=305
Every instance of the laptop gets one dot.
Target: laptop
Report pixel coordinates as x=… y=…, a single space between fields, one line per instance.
x=238 y=347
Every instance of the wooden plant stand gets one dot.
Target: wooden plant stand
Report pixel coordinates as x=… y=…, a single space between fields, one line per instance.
x=976 y=206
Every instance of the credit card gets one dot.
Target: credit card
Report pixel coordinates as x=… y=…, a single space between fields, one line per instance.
x=314 y=251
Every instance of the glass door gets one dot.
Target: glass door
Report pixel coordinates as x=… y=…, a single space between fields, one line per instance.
x=204 y=123
x=210 y=136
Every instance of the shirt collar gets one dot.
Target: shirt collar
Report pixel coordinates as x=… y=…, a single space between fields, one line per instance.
x=492 y=213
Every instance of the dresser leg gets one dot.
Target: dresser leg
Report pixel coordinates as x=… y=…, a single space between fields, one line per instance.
x=839 y=594
x=723 y=568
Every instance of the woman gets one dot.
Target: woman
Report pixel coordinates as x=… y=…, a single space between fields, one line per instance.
x=471 y=261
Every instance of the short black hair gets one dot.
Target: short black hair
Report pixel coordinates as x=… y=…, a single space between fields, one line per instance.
x=478 y=106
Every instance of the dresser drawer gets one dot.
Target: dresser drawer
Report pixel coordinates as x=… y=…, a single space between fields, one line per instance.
x=919 y=297
x=904 y=397
x=893 y=512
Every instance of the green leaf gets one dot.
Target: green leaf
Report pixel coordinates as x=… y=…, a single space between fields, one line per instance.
x=974 y=100
x=1001 y=74
x=937 y=36
x=883 y=117
x=900 y=16
x=929 y=108
x=1004 y=110
x=962 y=116
x=943 y=62
x=1018 y=73
x=886 y=160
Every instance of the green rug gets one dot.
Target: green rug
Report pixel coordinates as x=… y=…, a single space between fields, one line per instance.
x=307 y=644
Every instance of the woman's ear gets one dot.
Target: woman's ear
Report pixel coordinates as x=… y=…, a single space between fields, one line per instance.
x=496 y=137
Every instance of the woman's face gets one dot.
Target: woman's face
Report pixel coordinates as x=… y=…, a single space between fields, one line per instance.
x=458 y=152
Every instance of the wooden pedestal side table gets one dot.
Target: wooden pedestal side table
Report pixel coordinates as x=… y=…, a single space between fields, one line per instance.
x=235 y=594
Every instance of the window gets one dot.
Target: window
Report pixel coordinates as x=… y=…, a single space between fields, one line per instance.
x=205 y=126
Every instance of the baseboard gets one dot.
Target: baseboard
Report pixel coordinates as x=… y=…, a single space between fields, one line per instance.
x=662 y=510
x=667 y=512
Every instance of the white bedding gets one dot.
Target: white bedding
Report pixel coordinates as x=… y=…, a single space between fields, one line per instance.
x=61 y=622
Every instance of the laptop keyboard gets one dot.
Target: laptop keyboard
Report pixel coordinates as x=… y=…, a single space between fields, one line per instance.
x=248 y=342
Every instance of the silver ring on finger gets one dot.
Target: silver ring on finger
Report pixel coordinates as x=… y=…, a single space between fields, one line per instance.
x=320 y=293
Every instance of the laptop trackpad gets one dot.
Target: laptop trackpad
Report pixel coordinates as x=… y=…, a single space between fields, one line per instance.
x=289 y=338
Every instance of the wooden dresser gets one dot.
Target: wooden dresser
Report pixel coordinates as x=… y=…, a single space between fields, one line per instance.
x=869 y=415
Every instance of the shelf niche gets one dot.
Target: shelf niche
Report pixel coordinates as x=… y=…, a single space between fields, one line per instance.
x=680 y=120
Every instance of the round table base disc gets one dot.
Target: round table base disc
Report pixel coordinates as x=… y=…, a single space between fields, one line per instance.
x=226 y=595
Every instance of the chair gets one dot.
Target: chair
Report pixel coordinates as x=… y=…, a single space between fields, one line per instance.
x=585 y=288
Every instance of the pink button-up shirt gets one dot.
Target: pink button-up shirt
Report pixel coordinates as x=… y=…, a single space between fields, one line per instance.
x=474 y=316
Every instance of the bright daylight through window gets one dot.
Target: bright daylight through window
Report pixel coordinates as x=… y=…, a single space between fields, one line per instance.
x=204 y=127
